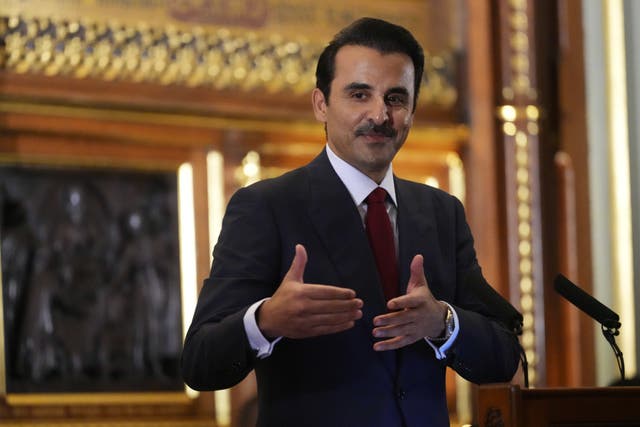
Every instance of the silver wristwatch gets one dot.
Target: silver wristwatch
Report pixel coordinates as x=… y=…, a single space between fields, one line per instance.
x=449 y=326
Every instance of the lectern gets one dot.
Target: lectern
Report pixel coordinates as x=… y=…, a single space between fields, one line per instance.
x=509 y=405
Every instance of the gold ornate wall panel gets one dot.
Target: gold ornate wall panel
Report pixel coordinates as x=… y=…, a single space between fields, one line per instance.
x=309 y=18
x=266 y=46
x=518 y=118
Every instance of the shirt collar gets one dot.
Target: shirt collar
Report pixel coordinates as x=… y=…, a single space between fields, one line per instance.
x=358 y=184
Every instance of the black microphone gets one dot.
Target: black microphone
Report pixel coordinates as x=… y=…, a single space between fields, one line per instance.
x=608 y=319
x=585 y=302
x=500 y=308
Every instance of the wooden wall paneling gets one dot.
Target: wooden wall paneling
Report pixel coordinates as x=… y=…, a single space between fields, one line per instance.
x=196 y=102
x=482 y=157
x=78 y=137
x=569 y=318
x=541 y=98
x=547 y=68
x=572 y=141
x=133 y=128
x=509 y=405
x=562 y=136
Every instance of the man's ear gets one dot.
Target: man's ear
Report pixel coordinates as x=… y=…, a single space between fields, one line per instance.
x=319 y=105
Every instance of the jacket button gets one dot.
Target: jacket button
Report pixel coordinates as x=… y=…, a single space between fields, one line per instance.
x=400 y=394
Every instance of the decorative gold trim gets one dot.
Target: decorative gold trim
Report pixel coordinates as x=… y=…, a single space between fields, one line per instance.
x=219 y=59
x=55 y=399
x=525 y=251
x=150 y=117
x=447 y=137
x=94 y=162
x=109 y=423
x=520 y=125
x=187 y=233
x=216 y=205
x=215 y=196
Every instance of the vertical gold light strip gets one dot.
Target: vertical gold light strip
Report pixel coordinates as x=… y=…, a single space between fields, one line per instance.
x=523 y=193
x=520 y=131
x=457 y=187
x=456 y=176
x=525 y=244
x=618 y=129
x=216 y=203
x=187 y=233
x=215 y=194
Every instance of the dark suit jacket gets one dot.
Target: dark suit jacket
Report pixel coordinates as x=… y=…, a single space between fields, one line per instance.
x=338 y=380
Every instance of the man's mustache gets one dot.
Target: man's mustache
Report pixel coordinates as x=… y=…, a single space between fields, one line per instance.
x=371 y=128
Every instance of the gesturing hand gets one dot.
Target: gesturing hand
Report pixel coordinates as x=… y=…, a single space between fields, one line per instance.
x=299 y=310
x=414 y=316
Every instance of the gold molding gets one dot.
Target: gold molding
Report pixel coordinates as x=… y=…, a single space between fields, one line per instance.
x=94 y=162
x=218 y=59
x=58 y=399
x=448 y=137
x=519 y=119
x=109 y=423
x=151 y=117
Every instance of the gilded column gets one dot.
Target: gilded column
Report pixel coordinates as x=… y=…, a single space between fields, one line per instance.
x=518 y=115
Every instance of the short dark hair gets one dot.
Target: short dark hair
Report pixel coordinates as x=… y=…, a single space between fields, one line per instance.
x=377 y=34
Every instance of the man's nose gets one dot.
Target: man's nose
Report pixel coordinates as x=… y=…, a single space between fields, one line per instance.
x=379 y=112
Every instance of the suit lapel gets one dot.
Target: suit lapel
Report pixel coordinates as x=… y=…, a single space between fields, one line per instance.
x=340 y=228
x=416 y=230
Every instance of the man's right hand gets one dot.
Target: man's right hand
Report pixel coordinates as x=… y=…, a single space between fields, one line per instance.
x=299 y=310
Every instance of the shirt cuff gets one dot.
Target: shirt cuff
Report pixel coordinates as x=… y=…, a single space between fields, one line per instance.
x=262 y=346
x=441 y=351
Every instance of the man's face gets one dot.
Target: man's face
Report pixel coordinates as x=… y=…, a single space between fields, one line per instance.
x=370 y=111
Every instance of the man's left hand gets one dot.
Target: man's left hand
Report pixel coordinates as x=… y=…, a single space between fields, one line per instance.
x=413 y=316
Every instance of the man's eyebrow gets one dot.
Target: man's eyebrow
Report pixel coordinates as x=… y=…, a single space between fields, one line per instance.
x=357 y=86
x=399 y=89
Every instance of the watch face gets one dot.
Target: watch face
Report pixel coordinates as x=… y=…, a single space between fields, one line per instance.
x=449 y=326
x=449 y=322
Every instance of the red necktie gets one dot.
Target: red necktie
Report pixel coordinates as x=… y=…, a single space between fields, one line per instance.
x=382 y=242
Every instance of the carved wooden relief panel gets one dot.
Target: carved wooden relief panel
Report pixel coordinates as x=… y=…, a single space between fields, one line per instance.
x=90 y=280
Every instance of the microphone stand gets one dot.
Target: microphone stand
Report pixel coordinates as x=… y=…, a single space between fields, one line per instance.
x=516 y=327
x=610 y=331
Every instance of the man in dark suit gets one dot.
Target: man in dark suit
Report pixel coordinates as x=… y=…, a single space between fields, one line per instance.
x=296 y=286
